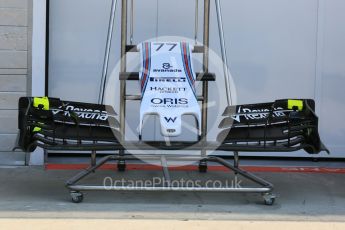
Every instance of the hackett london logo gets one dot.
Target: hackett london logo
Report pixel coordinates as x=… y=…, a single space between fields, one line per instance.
x=168 y=89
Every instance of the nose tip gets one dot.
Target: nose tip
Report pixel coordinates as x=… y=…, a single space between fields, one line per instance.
x=171 y=130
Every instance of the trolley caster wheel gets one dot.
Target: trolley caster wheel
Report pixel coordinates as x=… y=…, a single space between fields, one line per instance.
x=269 y=199
x=121 y=166
x=77 y=197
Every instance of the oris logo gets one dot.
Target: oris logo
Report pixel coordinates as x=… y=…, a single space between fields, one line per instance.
x=169 y=101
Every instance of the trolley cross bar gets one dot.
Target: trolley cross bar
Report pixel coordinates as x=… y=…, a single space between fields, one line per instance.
x=76 y=189
x=133 y=48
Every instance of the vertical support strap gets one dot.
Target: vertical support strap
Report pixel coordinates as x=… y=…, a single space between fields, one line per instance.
x=131 y=26
x=123 y=63
x=167 y=179
x=196 y=22
x=206 y=36
x=107 y=52
x=226 y=72
x=123 y=67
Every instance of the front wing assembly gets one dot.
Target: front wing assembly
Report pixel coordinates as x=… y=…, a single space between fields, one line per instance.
x=280 y=126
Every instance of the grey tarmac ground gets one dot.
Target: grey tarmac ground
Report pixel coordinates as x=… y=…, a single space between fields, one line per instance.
x=31 y=194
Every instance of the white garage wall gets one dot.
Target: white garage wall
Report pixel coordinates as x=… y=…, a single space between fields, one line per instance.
x=276 y=48
x=332 y=75
x=14 y=49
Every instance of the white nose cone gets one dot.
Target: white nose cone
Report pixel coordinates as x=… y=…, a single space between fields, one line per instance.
x=167 y=84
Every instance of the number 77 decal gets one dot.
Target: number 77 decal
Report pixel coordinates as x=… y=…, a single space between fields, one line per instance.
x=160 y=45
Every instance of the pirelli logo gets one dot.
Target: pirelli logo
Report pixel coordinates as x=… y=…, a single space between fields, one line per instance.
x=168 y=79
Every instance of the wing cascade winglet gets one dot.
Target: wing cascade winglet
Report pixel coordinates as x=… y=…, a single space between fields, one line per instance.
x=282 y=124
x=55 y=120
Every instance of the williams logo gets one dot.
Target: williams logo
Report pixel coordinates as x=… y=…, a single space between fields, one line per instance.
x=168 y=119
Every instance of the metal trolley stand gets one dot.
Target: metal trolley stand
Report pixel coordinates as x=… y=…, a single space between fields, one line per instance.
x=265 y=187
x=284 y=125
